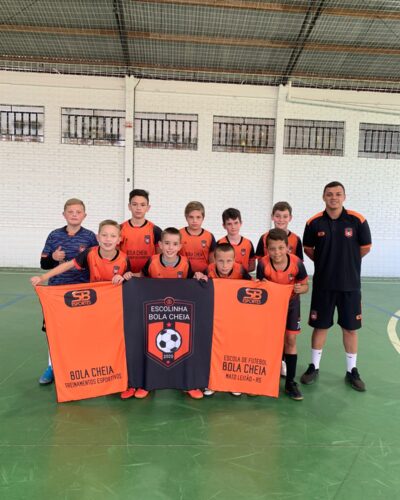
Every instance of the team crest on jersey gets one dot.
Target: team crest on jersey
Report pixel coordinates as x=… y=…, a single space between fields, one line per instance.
x=82 y=248
x=321 y=233
x=204 y=243
x=290 y=277
x=179 y=274
x=348 y=232
x=169 y=330
x=147 y=239
x=243 y=252
x=313 y=315
x=115 y=269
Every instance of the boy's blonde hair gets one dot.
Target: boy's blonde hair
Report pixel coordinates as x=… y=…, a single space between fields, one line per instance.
x=109 y=222
x=194 y=205
x=74 y=201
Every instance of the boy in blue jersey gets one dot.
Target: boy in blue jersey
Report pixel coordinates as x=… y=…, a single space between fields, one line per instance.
x=62 y=245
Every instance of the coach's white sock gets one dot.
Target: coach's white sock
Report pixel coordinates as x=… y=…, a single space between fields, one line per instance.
x=50 y=360
x=351 y=361
x=316 y=357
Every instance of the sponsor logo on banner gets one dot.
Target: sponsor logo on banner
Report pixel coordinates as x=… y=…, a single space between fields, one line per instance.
x=147 y=239
x=255 y=296
x=169 y=330
x=80 y=298
x=348 y=232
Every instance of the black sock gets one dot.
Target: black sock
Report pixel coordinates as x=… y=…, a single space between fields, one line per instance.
x=291 y=363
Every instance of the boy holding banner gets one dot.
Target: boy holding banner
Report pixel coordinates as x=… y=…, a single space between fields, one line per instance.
x=285 y=268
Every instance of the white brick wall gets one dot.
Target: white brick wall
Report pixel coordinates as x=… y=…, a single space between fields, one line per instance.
x=37 y=178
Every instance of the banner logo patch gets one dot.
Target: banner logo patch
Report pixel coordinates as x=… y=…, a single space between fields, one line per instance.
x=80 y=298
x=255 y=296
x=169 y=330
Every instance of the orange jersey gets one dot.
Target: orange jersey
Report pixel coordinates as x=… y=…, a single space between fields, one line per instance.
x=154 y=268
x=294 y=272
x=237 y=273
x=244 y=251
x=294 y=244
x=197 y=248
x=139 y=243
x=101 y=269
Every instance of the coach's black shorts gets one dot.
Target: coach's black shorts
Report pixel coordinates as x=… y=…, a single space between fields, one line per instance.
x=324 y=302
x=293 y=315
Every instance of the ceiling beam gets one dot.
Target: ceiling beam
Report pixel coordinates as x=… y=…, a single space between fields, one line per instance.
x=200 y=39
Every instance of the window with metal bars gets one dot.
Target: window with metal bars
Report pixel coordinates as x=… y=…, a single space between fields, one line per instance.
x=243 y=135
x=98 y=127
x=166 y=130
x=379 y=141
x=21 y=123
x=314 y=137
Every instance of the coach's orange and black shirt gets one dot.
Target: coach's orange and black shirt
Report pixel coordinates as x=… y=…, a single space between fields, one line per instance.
x=294 y=272
x=244 y=251
x=237 y=273
x=139 y=243
x=336 y=244
x=294 y=244
x=101 y=269
x=155 y=268
x=197 y=248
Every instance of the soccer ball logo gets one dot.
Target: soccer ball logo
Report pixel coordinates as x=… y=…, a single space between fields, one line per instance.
x=168 y=341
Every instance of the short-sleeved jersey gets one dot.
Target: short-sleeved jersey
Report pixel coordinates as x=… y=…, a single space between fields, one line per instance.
x=154 y=268
x=244 y=251
x=72 y=246
x=238 y=272
x=294 y=244
x=294 y=272
x=139 y=243
x=101 y=269
x=197 y=248
x=337 y=244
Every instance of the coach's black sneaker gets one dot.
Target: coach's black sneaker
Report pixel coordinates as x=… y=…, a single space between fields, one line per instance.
x=292 y=390
x=310 y=375
x=354 y=380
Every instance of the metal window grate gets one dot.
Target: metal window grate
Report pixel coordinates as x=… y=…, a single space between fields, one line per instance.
x=379 y=141
x=98 y=127
x=166 y=130
x=21 y=123
x=243 y=135
x=314 y=137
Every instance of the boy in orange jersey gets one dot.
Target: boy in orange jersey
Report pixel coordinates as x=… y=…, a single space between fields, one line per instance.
x=197 y=243
x=139 y=237
x=244 y=250
x=224 y=267
x=168 y=264
x=104 y=262
x=281 y=266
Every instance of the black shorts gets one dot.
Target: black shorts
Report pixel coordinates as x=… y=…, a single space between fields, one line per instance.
x=324 y=302
x=293 y=316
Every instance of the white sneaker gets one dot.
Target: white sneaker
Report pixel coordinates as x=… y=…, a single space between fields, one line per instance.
x=208 y=392
x=283 y=369
x=236 y=394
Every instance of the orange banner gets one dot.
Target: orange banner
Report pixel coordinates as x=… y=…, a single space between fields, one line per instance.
x=85 y=332
x=249 y=327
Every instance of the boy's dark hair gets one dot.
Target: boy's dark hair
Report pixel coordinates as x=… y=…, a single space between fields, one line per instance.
x=109 y=222
x=139 y=192
x=277 y=234
x=170 y=230
x=223 y=247
x=231 y=213
x=194 y=205
x=334 y=184
x=281 y=206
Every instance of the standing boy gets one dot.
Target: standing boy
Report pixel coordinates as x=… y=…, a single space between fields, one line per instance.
x=336 y=240
x=64 y=244
x=167 y=264
x=285 y=268
x=244 y=250
x=139 y=237
x=197 y=243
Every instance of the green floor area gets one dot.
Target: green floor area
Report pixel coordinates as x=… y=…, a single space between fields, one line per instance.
x=335 y=444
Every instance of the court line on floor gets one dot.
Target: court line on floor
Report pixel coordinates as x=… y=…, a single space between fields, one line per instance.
x=14 y=300
x=391 y=330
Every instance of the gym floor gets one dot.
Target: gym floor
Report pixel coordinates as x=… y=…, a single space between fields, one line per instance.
x=335 y=444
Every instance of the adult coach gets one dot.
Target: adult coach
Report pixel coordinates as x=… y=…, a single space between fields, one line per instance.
x=336 y=240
